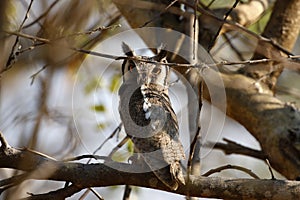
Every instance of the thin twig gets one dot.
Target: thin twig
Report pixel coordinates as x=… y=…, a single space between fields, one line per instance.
x=96 y=194
x=114 y=57
x=220 y=28
x=219 y=169
x=33 y=76
x=264 y=60
x=234 y=148
x=239 y=27
x=42 y=15
x=210 y=3
x=195 y=29
x=14 y=49
x=89 y=32
x=118 y=146
x=159 y=14
x=191 y=154
x=62 y=193
x=116 y=131
x=127 y=192
x=270 y=169
x=93 y=156
x=24 y=35
x=47 y=41
x=26 y=15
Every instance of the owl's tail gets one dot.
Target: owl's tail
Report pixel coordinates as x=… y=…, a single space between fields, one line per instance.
x=171 y=175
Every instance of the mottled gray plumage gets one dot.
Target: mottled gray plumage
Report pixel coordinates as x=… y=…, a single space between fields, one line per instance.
x=148 y=117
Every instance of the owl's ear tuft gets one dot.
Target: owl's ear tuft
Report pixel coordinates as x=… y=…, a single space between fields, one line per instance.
x=127 y=50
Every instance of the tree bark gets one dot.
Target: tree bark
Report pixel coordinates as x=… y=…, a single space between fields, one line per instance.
x=42 y=167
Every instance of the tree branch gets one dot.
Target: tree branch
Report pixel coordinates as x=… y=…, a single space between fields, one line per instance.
x=232 y=147
x=59 y=194
x=219 y=169
x=112 y=173
x=275 y=124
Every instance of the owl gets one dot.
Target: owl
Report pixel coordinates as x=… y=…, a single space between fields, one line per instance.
x=147 y=115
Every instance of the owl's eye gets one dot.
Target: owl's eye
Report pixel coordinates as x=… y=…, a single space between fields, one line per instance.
x=130 y=66
x=156 y=70
x=164 y=60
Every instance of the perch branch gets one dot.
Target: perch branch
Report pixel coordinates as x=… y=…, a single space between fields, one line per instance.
x=43 y=167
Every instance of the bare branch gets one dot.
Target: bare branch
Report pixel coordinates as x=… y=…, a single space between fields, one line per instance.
x=12 y=56
x=253 y=105
x=219 y=30
x=59 y=194
x=234 y=148
x=158 y=15
x=116 y=131
x=113 y=173
x=42 y=15
x=219 y=169
x=286 y=60
x=127 y=192
x=93 y=156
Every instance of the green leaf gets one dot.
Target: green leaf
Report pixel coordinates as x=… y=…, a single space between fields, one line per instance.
x=98 y=108
x=92 y=85
x=130 y=146
x=115 y=83
x=260 y=25
x=101 y=126
x=120 y=157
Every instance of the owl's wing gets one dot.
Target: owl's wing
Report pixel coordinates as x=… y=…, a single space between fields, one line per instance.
x=165 y=140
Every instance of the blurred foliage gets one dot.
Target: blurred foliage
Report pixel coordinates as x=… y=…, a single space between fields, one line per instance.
x=115 y=83
x=92 y=85
x=66 y=24
x=218 y=3
x=121 y=156
x=101 y=126
x=98 y=108
x=259 y=26
x=130 y=147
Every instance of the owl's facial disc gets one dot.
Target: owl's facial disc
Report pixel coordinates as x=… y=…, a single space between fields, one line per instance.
x=152 y=73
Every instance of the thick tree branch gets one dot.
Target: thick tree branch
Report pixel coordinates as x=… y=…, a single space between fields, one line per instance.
x=101 y=175
x=275 y=124
x=284 y=24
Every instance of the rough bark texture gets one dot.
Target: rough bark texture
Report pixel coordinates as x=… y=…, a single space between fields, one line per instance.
x=284 y=23
x=275 y=124
x=82 y=176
